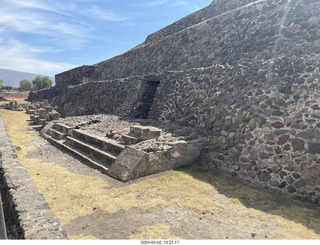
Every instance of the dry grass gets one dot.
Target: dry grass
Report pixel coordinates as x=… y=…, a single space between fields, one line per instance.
x=19 y=100
x=73 y=195
x=82 y=237
x=158 y=232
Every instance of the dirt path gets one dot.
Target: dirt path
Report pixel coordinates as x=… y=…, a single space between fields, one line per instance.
x=188 y=203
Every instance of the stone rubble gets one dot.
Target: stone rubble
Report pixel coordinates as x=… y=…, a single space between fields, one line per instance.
x=42 y=113
x=13 y=105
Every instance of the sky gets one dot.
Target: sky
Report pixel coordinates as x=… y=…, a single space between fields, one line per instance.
x=51 y=36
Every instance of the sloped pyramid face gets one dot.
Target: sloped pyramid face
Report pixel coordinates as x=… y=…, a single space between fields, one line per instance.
x=243 y=74
x=226 y=32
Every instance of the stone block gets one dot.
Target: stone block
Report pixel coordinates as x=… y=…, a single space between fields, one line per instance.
x=45 y=103
x=144 y=132
x=42 y=122
x=54 y=116
x=48 y=109
x=42 y=113
x=36 y=119
x=127 y=167
x=129 y=140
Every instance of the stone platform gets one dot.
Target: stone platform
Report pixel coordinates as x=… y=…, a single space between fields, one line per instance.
x=128 y=153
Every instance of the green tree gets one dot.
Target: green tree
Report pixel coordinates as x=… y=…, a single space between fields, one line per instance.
x=25 y=85
x=41 y=82
x=1 y=83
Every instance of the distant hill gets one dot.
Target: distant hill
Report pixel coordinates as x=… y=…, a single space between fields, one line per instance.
x=13 y=78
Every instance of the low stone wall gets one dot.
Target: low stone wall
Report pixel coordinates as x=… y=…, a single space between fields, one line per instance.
x=33 y=214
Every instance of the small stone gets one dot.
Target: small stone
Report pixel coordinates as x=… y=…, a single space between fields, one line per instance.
x=274 y=183
x=305 y=135
x=290 y=179
x=291 y=189
x=277 y=113
x=254 y=155
x=269 y=136
x=253 y=234
x=262 y=164
x=283 y=174
x=314 y=148
x=298 y=144
x=283 y=184
x=287 y=147
x=296 y=175
x=277 y=125
x=280 y=131
x=296 y=97
x=251 y=174
x=276 y=169
x=283 y=139
x=247 y=166
x=262 y=122
x=300 y=183
x=263 y=155
x=264 y=176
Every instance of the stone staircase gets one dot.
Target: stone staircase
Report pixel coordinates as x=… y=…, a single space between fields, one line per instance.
x=123 y=159
x=98 y=151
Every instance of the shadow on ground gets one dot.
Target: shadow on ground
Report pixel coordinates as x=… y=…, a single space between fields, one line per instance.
x=304 y=213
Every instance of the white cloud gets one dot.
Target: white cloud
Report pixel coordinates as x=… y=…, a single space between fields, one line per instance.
x=19 y=56
x=96 y=12
x=29 y=17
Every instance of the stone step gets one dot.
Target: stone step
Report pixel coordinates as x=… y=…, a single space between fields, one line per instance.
x=92 y=161
x=63 y=128
x=56 y=134
x=129 y=140
x=105 y=144
x=91 y=150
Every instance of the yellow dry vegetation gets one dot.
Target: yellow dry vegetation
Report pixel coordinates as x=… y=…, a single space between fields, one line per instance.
x=82 y=237
x=73 y=195
x=155 y=232
x=20 y=101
